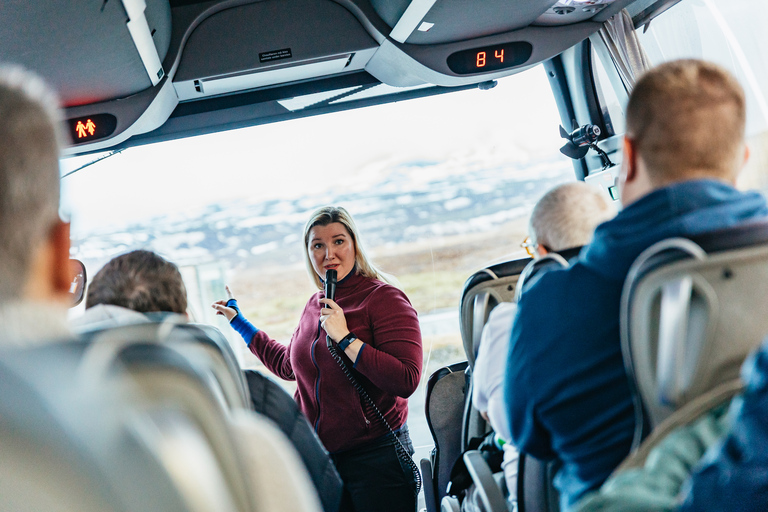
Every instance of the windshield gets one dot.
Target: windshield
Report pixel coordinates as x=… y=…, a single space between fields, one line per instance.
x=438 y=186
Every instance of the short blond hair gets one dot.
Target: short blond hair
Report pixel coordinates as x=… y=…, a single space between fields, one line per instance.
x=687 y=118
x=566 y=216
x=328 y=215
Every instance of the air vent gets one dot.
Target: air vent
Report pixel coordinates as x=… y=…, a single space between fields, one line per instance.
x=214 y=86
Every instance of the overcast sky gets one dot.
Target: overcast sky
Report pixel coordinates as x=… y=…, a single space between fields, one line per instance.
x=293 y=158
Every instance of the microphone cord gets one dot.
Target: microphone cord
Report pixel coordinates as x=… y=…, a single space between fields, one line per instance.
x=402 y=453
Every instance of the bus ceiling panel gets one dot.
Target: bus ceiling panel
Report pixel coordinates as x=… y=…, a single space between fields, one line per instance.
x=142 y=112
x=83 y=49
x=390 y=10
x=565 y=12
x=474 y=61
x=270 y=42
x=457 y=20
x=429 y=22
x=275 y=105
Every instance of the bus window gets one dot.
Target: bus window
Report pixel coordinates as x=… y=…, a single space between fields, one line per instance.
x=732 y=35
x=612 y=106
x=439 y=187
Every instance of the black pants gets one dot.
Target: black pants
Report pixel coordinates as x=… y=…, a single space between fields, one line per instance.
x=374 y=478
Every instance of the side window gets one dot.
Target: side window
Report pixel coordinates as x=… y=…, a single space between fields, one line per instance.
x=609 y=91
x=730 y=33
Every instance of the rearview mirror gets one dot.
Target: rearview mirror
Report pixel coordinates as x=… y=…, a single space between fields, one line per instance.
x=79 y=279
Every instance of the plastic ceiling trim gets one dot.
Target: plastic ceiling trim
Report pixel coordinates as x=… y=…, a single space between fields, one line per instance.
x=410 y=19
x=153 y=117
x=138 y=28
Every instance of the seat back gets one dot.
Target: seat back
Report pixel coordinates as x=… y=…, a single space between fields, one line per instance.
x=688 y=317
x=483 y=291
x=535 y=491
x=66 y=446
x=275 y=403
x=217 y=354
x=203 y=343
x=444 y=407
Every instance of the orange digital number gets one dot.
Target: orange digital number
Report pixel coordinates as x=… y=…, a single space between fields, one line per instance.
x=499 y=55
x=481 y=59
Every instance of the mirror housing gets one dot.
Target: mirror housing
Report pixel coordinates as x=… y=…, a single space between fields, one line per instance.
x=79 y=280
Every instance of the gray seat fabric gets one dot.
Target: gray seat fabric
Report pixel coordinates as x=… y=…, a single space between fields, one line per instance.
x=65 y=446
x=483 y=291
x=445 y=400
x=269 y=399
x=128 y=420
x=205 y=343
x=688 y=322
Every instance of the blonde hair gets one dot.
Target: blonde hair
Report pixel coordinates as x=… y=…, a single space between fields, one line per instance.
x=328 y=215
x=687 y=118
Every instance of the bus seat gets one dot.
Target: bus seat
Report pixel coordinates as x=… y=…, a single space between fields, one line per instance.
x=275 y=403
x=227 y=369
x=690 y=316
x=444 y=408
x=69 y=447
x=535 y=491
x=164 y=378
x=486 y=485
x=202 y=342
x=484 y=290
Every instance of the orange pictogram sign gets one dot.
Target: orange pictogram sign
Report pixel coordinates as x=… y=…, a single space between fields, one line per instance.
x=83 y=130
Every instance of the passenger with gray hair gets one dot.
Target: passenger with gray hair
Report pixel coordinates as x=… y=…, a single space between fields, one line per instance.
x=562 y=221
x=35 y=273
x=566 y=216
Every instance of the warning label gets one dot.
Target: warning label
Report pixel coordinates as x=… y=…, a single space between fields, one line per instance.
x=285 y=53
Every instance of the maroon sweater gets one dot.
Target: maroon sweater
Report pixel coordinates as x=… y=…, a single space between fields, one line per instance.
x=388 y=365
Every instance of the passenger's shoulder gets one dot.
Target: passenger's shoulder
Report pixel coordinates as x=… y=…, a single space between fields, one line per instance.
x=549 y=285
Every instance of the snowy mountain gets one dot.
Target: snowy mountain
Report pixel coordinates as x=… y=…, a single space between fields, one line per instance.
x=392 y=202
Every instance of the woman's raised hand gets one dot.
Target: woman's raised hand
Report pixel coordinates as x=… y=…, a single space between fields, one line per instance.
x=333 y=320
x=221 y=306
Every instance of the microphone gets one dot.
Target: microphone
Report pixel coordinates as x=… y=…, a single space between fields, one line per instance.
x=330 y=285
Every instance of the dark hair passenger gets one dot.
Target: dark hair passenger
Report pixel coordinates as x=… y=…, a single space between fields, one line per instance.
x=141 y=281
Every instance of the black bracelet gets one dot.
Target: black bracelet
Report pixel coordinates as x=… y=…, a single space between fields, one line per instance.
x=346 y=341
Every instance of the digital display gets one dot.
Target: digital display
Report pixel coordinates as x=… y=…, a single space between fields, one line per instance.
x=90 y=128
x=614 y=191
x=490 y=58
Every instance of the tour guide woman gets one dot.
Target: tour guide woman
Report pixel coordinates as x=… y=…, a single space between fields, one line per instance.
x=375 y=327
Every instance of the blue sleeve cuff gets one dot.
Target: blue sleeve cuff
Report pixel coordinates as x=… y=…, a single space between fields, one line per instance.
x=358 y=355
x=245 y=328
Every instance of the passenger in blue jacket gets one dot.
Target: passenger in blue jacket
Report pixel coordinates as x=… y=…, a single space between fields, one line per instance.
x=733 y=475
x=566 y=390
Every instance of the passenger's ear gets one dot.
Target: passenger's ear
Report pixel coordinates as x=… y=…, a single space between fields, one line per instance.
x=629 y=160
x=61 y=270
x=746 y=155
